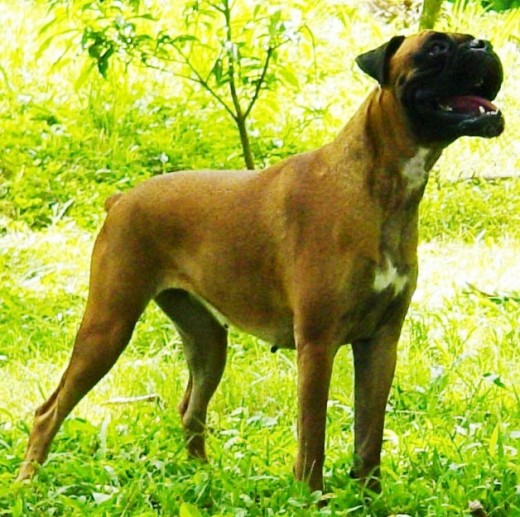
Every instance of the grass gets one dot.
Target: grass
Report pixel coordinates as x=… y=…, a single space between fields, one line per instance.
x=453 y=424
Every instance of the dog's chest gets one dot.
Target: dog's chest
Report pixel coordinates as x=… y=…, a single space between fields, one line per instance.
x=399 y=230
x=381 y=282
x=415 y=171
x=388 y=276
x=397 y=255
x=385 y=282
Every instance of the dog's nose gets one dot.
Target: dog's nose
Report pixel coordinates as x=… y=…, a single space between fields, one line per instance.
x=479 y=44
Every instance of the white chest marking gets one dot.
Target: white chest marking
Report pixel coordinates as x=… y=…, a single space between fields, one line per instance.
x=388 y=276
x=414 y=170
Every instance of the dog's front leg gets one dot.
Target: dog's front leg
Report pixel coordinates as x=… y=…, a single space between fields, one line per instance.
x=314 y=373
x=374 y=364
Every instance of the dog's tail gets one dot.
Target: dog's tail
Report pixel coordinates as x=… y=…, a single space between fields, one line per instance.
x=112 y=200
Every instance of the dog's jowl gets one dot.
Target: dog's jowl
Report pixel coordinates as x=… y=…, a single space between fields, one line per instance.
x=312 y=253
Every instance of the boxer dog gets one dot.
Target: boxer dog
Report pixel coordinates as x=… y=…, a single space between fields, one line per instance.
x=312 y=253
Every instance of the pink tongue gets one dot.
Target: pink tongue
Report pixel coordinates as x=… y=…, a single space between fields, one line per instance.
x=469 y=104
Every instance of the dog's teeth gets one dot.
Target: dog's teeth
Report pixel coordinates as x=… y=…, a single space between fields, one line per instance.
x=444 y=107
x=481 y=110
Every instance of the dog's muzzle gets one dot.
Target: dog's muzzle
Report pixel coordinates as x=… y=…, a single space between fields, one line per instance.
x=452 y=91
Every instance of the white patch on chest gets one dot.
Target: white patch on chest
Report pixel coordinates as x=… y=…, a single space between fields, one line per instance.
x=414 y=170
x=387 y=276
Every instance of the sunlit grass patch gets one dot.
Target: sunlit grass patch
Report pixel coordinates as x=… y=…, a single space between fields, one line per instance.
x=452 y=424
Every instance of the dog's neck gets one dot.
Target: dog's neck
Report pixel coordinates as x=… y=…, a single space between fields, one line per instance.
x=400 y=164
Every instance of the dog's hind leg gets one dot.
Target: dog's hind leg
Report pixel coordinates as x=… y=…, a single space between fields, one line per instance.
x=118 y=294
x=205 y=343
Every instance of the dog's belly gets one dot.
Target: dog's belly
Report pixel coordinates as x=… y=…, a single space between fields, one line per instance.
x=359 y=322
x=249 y=307
x=273 y=320
x=276 y=331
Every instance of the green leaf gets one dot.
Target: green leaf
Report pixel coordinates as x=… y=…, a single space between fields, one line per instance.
x=495 y=379
x=83 y=76
x=184 y=38
x=219 y=73
x=63 y=58
x=43 y=47
x=47 y=26
x=275 y=27
x=102 y=62
x=189 y=510
x=147 y=16
x=493 y=441
x=289 y=77
x=95 y=50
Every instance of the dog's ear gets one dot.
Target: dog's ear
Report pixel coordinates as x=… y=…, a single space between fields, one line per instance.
x=375 y=62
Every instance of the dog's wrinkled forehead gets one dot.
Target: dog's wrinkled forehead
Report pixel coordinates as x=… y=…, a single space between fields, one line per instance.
x=404 y=53
x=421 y=42
x=416 y=48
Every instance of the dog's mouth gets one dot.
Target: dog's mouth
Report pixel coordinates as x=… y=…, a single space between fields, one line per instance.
x=459 y=100
x=466 y=106
x=465 y=114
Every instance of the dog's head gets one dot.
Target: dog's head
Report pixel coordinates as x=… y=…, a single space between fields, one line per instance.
x=444 y=81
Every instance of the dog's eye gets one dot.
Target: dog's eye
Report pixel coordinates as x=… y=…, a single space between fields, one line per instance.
x=438 y=48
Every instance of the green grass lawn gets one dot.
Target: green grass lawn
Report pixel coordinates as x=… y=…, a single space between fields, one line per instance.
x=453 y=425
x=453 y=421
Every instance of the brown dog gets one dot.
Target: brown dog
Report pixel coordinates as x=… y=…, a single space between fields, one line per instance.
x=314 y=252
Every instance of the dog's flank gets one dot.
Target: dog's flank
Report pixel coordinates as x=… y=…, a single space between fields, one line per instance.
x=312 y=253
